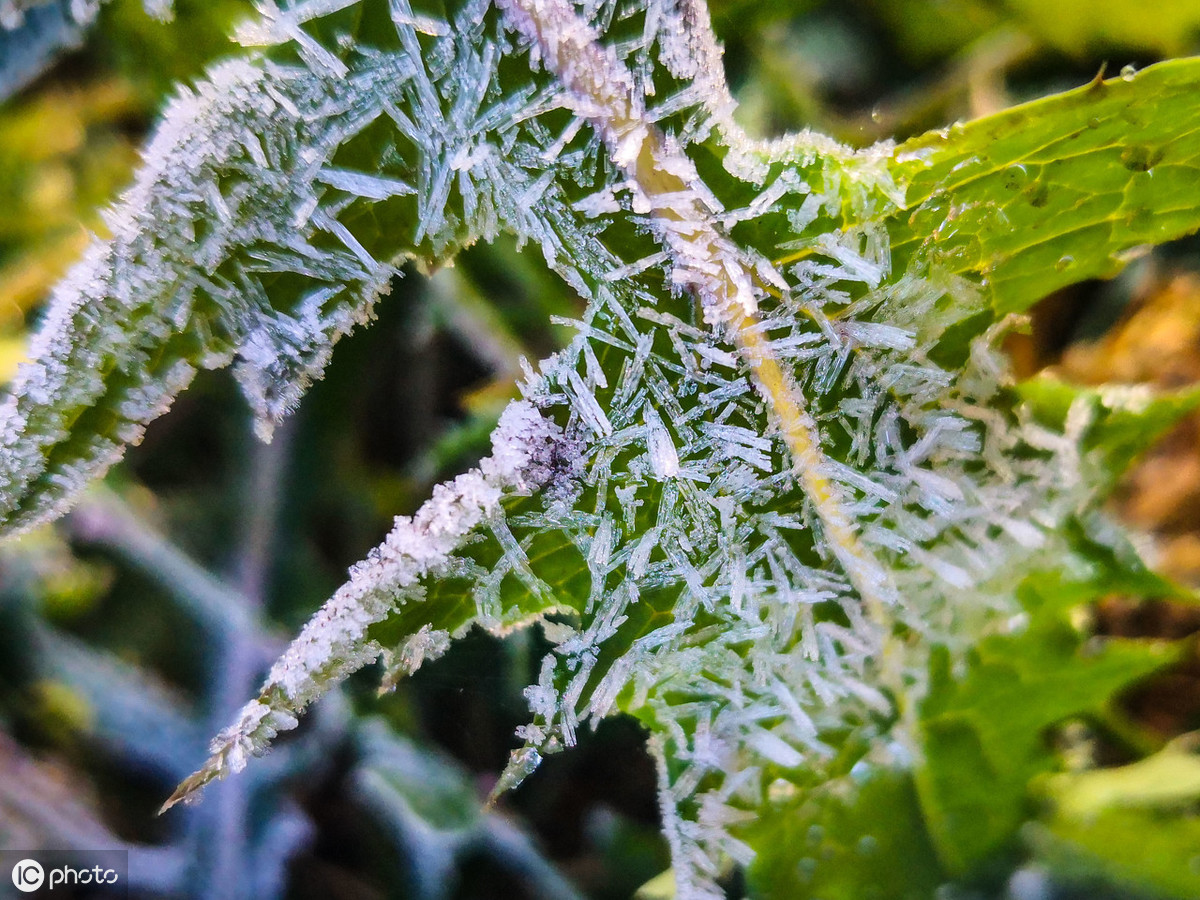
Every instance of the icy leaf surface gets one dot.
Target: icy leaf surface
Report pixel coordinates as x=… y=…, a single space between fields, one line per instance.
x=234 y=243
x=418 y=549
x=779 y=469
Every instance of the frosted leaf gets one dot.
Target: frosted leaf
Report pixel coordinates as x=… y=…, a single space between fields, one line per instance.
x=733 y=489
x=417 y=550
x=427 y=644
x=239 y=186
x=521 y=765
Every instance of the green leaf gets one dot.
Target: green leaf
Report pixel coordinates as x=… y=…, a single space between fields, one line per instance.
x=274 y=202
x=1119 y=422
x=776 y=469
x=1082 y=26
x=660 y=887
x=985 y=731
x=1136 y=824
x=868 y=843
x=1058 y=190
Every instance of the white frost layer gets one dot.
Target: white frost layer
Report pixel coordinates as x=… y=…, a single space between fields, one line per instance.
x=662 y=179
x=334 y=643
x=669 y=482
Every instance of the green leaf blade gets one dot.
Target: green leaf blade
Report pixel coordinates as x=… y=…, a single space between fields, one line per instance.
x=985 y=732
x=1057 y=190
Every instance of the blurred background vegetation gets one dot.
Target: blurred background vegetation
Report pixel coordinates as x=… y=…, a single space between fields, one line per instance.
x=130 y=631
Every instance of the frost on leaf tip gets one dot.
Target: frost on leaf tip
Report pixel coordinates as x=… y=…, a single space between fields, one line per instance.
x=418 y=549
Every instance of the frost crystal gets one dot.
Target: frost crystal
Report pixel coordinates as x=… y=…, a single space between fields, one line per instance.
x=734 y=489
x=417 y=550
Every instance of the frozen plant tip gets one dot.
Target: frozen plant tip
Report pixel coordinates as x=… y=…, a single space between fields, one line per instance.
x=418 y=549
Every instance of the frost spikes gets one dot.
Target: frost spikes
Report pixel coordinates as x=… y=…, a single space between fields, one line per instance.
x=334 y=643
